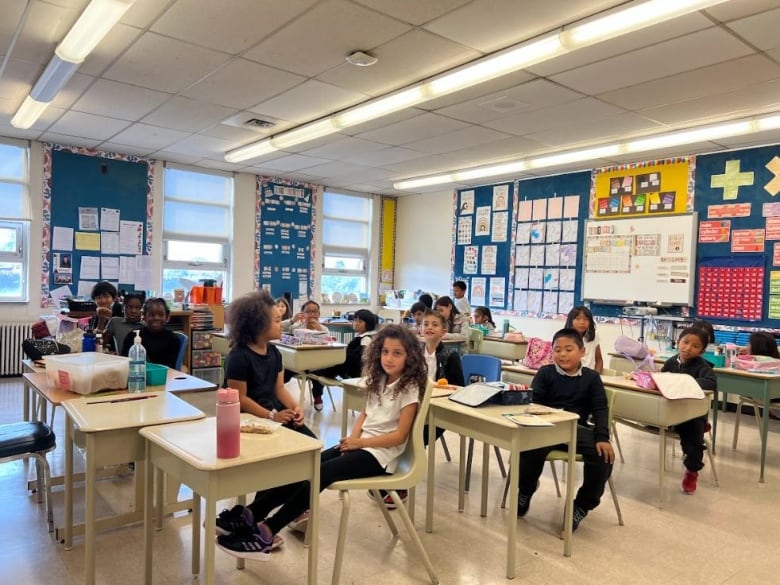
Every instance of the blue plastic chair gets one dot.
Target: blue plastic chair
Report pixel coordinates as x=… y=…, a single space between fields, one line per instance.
x=481 y=368
x=183 y=340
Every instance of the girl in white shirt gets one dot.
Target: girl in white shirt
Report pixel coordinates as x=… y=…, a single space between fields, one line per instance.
x=581 y=319
x=396 y=377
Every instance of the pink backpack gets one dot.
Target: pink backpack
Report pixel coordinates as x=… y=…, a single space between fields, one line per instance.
x=636 y=351
x=538 y=353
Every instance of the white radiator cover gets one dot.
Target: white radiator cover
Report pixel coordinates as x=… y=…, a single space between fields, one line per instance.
x=11 y=354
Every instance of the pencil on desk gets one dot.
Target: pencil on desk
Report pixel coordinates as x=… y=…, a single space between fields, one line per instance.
x=129 y=399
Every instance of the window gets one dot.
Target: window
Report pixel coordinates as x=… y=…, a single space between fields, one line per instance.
x=14 y=221
x=346 y=236
x=197 y=228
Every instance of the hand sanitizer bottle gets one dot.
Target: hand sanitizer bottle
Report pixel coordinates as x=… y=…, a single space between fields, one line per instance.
x=137 y=379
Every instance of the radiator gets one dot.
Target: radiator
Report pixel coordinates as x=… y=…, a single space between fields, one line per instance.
x=11 y=354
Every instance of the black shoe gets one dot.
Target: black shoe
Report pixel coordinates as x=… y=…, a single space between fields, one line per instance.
x=523 y=503
x=233 y=521
x=577 y=517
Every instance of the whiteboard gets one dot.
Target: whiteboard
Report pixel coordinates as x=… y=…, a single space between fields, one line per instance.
x=644 y=259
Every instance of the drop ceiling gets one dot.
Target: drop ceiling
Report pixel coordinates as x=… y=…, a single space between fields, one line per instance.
x=174 y=77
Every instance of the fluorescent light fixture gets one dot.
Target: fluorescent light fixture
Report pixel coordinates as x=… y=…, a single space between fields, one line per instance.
x=304 y=133
x=254 y=150
x=660 y=141
x=629 y=20
x=380 y=107
x=53 y=79
x=28 y=113
x=92 y=26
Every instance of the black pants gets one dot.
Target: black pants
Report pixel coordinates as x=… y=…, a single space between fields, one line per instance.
x=331 y=372
x=595 y=474
x=439 y=433
x=335 y=466
x=267 y=500
x=692 y=442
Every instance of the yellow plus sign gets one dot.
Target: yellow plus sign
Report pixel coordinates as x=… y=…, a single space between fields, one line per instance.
x=773 y=186
x=731 y=180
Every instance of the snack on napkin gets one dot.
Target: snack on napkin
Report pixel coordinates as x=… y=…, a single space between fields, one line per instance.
x=259 y=427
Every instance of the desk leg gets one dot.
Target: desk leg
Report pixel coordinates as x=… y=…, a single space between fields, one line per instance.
x=211 y=531
x=302 y=387
x=764 y=429
x=148 y=516
x=344 y=412
x=314 y=519
x=461 y=475
x=431 y=473
x=196 y=533
x=514 y=481
x=26 y=391
x=661 y=465
x=568 y=513
x=485 y=472
x=715 y=420
x=89 y=512
x=68 y=483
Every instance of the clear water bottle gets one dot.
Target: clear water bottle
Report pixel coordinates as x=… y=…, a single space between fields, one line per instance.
x=137 y=380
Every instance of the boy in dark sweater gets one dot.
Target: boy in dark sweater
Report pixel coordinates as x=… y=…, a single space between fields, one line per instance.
x=567 y=384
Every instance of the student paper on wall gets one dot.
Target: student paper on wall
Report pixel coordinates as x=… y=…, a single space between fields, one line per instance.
x=85 y=288
x=90 y=268
x=540 y=209
x=521 y=278
x=553 y=232
x=523 y=234
x=568 y=255
x=88 y=241
x=470 y=259
x=551 y=278
x=464 y=230
x=552 y=254
x=535 y=278
x=489 y=257
x=537 y=232
x=109 y=242
x=525 y=210
x=521 y=300
x=500 y=227
x=466 y=202
x=534 y=304
x=497 y=292
x=127 y=269
x=478 y=291
x=537 y=255
x=88 y=218
x=500 y=197
x=131 y=236
x=109 y=267
x=550 y=303
x=566 y=279
x=522 y=255
x=109 y=219
x=555 y=208
x=143 y=272
x=483 y=221
x=571 y=206
x=62 y=238
x=569 y=231
x=565 y=302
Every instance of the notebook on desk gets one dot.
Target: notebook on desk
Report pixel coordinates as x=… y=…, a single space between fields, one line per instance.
x=476 y=394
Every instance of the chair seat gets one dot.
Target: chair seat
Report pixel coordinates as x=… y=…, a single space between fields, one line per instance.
x=25 y=437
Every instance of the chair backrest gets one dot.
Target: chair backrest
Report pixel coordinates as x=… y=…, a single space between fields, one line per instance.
x=182 y=348
x=475 y=339
x=414 y=462
x=608 y=372
x=487 y=367
x=611 y=395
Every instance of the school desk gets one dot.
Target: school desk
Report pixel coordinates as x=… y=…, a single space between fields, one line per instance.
x=517 y=374
x=487 y=424
x=621 y=364
x=106 y=428
x=760 y=387
x=29 y=398
x=187 y=452
x=650 y=408
x=503 y=349
x=306 y=358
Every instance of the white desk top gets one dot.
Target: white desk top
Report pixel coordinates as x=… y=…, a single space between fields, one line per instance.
x=92 y=414
x=195 y=443
x=308 y=346
x=494 y=413
x=746 y=374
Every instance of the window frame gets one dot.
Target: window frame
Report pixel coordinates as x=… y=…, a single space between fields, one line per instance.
x=20 y=224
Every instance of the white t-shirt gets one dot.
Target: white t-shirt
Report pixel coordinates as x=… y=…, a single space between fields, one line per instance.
x=430 y=361
x=382 y=415
x=589 y=359
x=463 y=306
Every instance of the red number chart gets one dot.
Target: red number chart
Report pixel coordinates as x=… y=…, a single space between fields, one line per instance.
x=731 y=292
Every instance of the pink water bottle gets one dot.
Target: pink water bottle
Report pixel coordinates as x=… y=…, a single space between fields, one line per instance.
x=228 y=424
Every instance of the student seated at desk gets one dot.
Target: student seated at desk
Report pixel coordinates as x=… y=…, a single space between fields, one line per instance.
x=253 y=366
x=691 y=344
x=483 y=319
x=569 y=385
x=286 y=312
x=118 y=327
x=162 y=345
x=395 y=385
x=364 y=325
x=581 y=319
x=104 y=295
x=308 y=318
x=456 y=323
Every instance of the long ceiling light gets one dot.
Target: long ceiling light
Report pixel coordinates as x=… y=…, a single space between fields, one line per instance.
x=91 y=27
x=577 y=36
x=606 y=151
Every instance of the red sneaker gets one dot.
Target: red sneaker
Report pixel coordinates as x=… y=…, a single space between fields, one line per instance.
x=689 y=481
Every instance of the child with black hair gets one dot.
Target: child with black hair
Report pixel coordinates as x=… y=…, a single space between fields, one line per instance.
x=567 y=384
x=104 y=294
x=689 y=360
x=307 y=318
x=161 y=344
x=118 y=327
x=456 y=323
x=763 y=343
x=581 y=319
x=484 y=319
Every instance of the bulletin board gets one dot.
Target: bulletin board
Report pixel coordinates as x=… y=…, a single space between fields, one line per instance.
x=647 y=259
x=482 y=246
x=285 y=232
x=548 y=240
x=643 y=189
x=739 y=236
x=97 y=221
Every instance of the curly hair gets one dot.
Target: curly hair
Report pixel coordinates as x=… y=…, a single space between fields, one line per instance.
x=249 y=316
x=415 y=371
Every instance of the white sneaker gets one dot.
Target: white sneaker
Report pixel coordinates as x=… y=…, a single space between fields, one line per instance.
x=301 y=523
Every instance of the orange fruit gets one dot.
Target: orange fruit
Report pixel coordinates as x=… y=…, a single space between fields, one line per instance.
x=442 y=382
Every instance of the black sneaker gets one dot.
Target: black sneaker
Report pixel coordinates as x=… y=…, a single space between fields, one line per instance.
x=234 y=521
x=255 y=546
x=577 y=517
x=523 y=503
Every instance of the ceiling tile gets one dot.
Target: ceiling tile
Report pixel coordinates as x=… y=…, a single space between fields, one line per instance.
x=87 y=125
x=384 y=157
x=413 y=129
x=299 y=104
x=430 y=54
x=12 y=12
x=242 y=83
x=759 y=30
x=232 y=26
x=343 y=170
x=557 y=116
x=413 y=11
x=598 y=130
x=344 y=148
x=176 y=157
x=511 y=21
x=712 y=80
x=188 y=115
x=489 y=87
x=425 y=165
x=232 y=133
x=144 y=135
x=116 y=41
x=143 y=12
x=164 y=64
x=205 y=146
x=727 y=11
x=534 y=95
x=65 y=140
x=698 y=49
x=509 y=148
x=463 y=138
x=294 y=162
x=749 y=140
x=221 y=165
x=45 y=26
x=388 y=120
x=23 y=134
x=119 y=100
x=72 y=90
x=18 y=79
x=125 y=149
x=324 y=36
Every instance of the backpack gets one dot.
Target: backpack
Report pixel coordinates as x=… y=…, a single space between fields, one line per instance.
x=631 y=348
x=538 y=353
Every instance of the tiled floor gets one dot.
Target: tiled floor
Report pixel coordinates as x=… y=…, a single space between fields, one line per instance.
x=726 y=535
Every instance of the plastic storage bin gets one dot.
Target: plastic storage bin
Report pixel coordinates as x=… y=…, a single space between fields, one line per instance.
x=156 y=375
x=87 y=373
